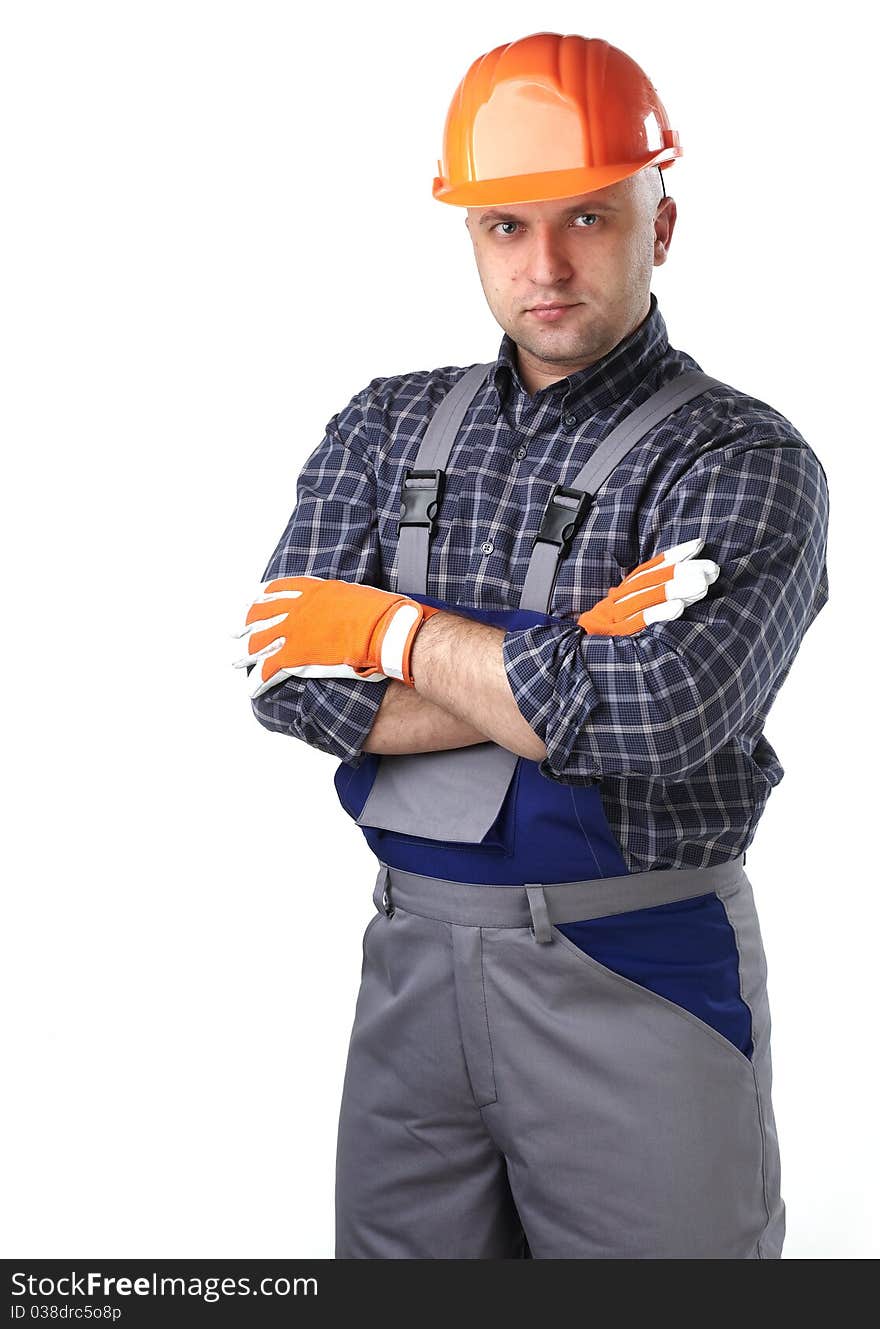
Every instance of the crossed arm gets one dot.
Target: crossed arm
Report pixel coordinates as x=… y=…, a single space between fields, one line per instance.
x=461 y=695
x=657 y=703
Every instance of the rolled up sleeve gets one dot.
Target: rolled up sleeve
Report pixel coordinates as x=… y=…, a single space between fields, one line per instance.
x=662 y=701
x=332 y=533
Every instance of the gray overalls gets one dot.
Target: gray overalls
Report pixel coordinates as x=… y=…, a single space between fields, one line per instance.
x=552 y=1057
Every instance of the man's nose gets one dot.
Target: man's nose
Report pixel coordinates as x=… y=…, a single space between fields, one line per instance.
x=547 y=261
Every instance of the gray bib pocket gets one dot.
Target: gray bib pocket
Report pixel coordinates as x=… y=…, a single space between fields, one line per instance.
x=453 y=796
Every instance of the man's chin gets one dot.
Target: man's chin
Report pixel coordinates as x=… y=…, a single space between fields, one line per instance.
x=552 y=341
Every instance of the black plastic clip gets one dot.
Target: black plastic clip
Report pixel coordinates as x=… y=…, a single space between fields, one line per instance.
x=564 y=514
x=419 y=501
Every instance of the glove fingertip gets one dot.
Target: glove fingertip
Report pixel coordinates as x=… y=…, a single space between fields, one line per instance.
x=663 y=612
x=679 y=553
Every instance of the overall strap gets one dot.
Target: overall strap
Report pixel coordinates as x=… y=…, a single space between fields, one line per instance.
x=422 y=487
x=569 y=504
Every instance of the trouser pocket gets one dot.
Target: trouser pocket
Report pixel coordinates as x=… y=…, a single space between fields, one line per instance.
x=685 y=953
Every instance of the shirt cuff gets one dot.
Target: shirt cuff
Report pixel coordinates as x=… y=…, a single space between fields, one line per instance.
x=554 y=693
x=337 y=715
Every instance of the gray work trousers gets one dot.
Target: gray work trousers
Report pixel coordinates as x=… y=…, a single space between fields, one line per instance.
x=507 y=1096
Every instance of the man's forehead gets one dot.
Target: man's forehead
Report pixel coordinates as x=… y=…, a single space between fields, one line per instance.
x=612 y=197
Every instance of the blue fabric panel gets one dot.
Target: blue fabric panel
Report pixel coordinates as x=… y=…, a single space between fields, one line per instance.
x=545 y=831
x=496 y=618
x=684 y=951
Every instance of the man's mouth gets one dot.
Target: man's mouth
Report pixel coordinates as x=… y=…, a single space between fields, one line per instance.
x=548 y=313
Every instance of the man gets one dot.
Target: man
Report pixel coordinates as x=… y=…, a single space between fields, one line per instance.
x=561 y=1044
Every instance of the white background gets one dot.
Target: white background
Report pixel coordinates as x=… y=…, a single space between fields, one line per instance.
x=217 y=225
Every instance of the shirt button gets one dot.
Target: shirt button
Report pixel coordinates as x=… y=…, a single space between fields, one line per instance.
x=487 y=546
x=569 y=421
x=520 y=453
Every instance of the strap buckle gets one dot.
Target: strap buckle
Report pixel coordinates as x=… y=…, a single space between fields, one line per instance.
x=563 y=515
x=420 y=500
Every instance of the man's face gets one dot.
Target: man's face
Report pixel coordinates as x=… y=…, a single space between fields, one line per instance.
x=593 y=253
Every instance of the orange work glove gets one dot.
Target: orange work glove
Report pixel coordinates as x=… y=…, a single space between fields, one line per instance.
x=654 y=591
x=314 y=627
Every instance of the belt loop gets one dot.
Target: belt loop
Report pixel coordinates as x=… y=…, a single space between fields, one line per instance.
x=542 y=929
x=382 y=892
x=744 y=858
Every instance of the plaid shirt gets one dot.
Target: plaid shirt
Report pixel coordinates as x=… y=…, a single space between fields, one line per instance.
x=669 y=720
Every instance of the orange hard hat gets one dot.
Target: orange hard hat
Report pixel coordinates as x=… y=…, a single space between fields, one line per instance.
x=550 y=116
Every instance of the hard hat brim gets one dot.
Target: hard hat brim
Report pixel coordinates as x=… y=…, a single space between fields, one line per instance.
x=545 y=185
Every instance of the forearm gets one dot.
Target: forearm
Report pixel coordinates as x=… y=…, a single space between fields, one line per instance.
x=457 y=665
x=408 y=722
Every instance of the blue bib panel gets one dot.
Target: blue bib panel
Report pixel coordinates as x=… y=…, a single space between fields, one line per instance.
x=545 y=831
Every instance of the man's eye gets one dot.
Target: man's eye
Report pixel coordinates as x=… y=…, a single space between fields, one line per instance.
x=593 y=215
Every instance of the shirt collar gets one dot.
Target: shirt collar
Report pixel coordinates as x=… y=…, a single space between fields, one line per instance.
x=581 y=394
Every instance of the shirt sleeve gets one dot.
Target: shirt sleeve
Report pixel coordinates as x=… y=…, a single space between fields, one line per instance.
x=662 y=701
x=332 y=533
